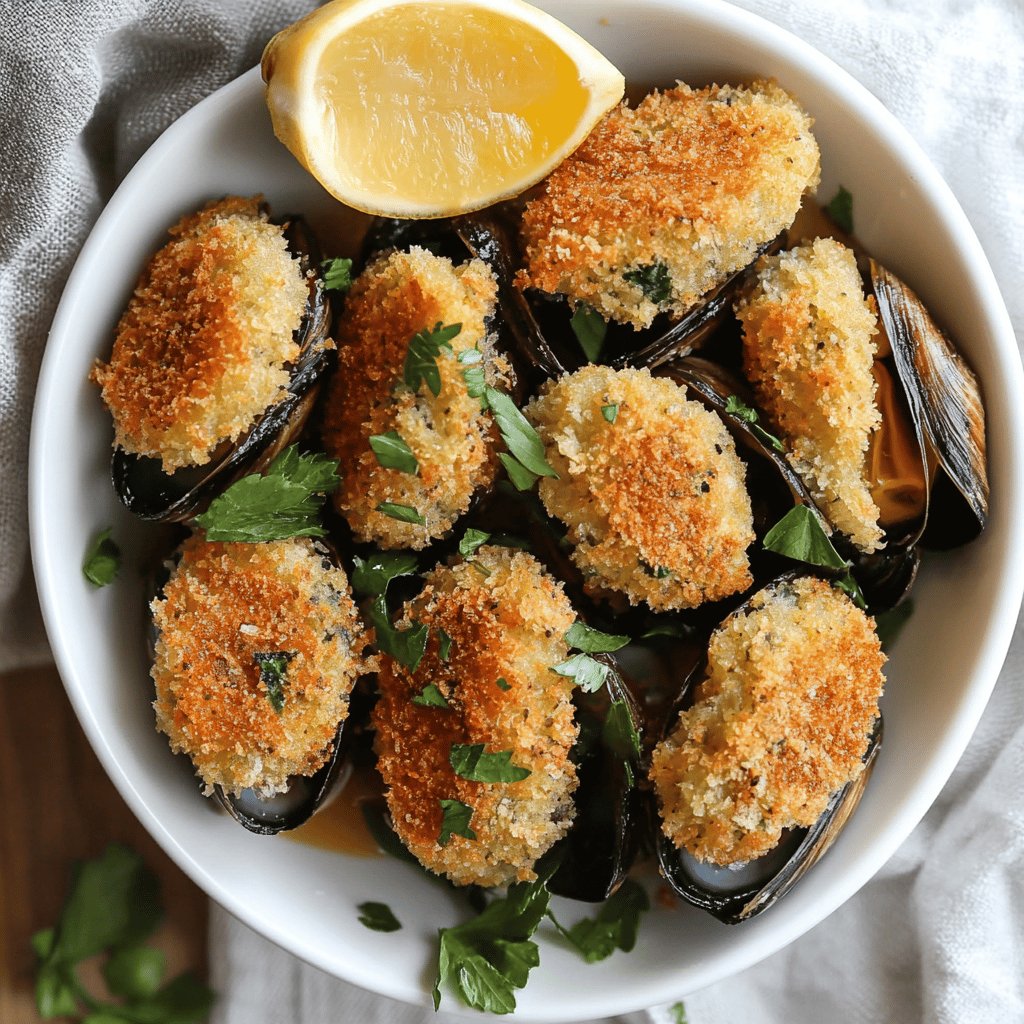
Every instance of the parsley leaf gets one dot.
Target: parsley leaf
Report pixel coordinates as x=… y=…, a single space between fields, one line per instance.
x=587 y=672
x=444 y=642
x=519 y=436
x=889 y=624
x=743 y=412
x=522 y=479
x=840 y=209
x=469 y=761
x=134 y=972
x=799 y=535
x=378 y=917
x=471 y=540
x=614 y=927
x=403 y=513
x=102 y=560
x=678 y=1012
x=422 y=355
x=393 y=453
x=372 y=575
x=406 y=646
x=610 y=412
x=503 y=684
x=455 y=818
x=593 y=641
x=273 y=667
x=590 y=329
x=653 y=280
x=850 y=586
x=336 y=275
x=431 y=697
x=473 y=374
x=284 y=502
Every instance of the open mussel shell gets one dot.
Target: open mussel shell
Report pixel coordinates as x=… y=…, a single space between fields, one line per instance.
x=946 y=408
x=602 y=842
x=151 y=494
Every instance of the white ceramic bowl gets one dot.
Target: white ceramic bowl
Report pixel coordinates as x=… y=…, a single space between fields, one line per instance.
x=942 y=669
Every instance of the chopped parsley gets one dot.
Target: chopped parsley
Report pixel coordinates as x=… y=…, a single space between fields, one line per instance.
x=336 y=275
x=444 y=644
x=653 y=280
x=522 y=441
x=371 y=575
x=455 y=818
x=522 y=479
x=430 y=697
x=423 y=353
x=102 y=560
x=471 y=540
x=469 y=761
x=678 y=1012
x=615 y=926
x=750 y=416
x=273 y=666
x=473 y=373
x=403 y=513
x=503 y=684
x=593 y=641
x=590 y=329
x=799 y=535
x=378 y=917
x=851 y=587
x=840 y=209
x=588 y=673
x=406 y=646
x=283 y=502
x=393 y=453
x=610 y=412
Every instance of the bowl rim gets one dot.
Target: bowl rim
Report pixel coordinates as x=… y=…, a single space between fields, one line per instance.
x=994 y=643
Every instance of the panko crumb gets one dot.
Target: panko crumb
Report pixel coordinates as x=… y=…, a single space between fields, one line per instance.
x=655 y=502
x=680 y=192
x=227 y=603
x=808 y=348
x=453 y=440
x=780 y=723
x=202 y=349
x=507 y=619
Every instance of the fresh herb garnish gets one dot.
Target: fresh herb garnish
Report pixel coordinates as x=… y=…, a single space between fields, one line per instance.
x=678 y=630
x=406 y=646
x=273 y=666
x=336 y=275
x=471 y=540
x=840 y=209
x=403 y=513
x=678 y=1012
x=615 y=925
x=653 y=280
x=112 y=908
x=284 y=502
x=473 y=374
x=743 y=412
x=522 y=479
x=423 y=353
x=378 y=917
x=430 y=697
x=588 y=673
x=485 y=960
x=102 y=560
x=444 y=642
x=593 y=641
x=455 y=818
x=850 y=586
x=503 y=683
x=889 y=624
x=610 y=412
x=799 y=535
x=621 y=737
x=372 y=575
x=519 y=436
x=590 y=329
x=393 y=453
x=469 y=761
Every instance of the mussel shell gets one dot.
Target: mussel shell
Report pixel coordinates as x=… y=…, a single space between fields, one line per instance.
x=603 y=840
x=151 y=494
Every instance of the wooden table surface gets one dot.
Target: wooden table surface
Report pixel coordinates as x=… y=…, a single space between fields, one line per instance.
x=61 y=807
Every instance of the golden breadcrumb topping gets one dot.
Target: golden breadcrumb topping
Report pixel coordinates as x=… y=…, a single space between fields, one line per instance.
x=453 y=440
x=225 y=609
x=681 y=191
x=655 y=502
x=780 y=723
x=808 y=349
x=201 y=351
x=507 y=619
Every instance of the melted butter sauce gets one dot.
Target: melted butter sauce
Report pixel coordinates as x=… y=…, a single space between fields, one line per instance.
x=340 y=826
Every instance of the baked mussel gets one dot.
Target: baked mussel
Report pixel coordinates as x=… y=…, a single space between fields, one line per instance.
x=217 y=359
x=256 y=649
x=769 y=748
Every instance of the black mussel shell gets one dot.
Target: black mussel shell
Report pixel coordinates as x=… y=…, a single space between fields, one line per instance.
x=151 y=494
x=601 y=844
x=737 y=892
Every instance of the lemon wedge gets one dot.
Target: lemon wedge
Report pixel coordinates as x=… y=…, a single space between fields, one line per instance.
x=436 y=107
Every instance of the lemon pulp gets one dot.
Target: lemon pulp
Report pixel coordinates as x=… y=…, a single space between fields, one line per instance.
x=421 y=71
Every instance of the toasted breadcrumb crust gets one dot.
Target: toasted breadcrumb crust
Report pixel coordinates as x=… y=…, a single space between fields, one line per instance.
x=655 y=503
x=201 y=351
x=780 y=723
x=507 y=619
x=453 y=440
x=693 y=179
x=808 y=348
x=223 y=605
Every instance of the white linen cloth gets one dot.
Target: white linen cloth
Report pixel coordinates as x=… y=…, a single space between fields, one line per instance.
x=86 y=85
